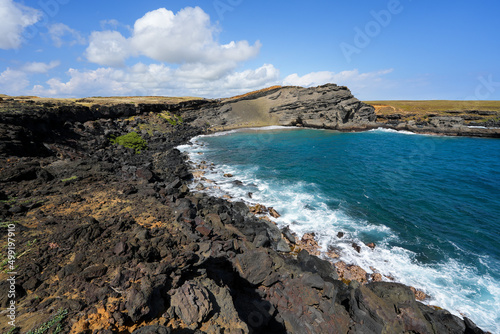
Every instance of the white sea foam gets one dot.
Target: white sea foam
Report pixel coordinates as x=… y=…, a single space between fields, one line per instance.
x=264 y=128
x=482 y=127
x=393 y=131
x=303 y=209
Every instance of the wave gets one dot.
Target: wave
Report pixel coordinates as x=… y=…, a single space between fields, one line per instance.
x=393 y=131
x=304 y=209
x=263 y=128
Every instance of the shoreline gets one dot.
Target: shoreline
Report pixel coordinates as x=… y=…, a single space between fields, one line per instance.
x=115 y=239
x=461 y=132
x=347 y=270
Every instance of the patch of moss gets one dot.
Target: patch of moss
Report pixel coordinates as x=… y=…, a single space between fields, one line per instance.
x=131 y=140
x=70 y=179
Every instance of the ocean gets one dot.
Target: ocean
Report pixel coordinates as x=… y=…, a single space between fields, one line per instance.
x=431 y=204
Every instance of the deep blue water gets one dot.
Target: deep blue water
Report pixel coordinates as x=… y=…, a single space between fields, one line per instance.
x=431 y=204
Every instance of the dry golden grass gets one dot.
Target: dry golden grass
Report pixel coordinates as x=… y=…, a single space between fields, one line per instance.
x=420 y=110
x=252 y=93
x=111 y=100
x=437 y=105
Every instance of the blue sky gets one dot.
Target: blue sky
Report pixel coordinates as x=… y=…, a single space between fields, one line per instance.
x=392 y=49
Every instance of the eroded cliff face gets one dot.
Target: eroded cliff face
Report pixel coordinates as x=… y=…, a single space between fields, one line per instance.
x=117 y=240
x=329 y=107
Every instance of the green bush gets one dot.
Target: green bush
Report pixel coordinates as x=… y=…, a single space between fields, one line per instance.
x=172 y=119
x=131 y=140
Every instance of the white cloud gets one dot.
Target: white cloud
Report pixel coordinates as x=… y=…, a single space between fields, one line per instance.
x=37 y=67
x=62 y=34
x=109 y=23
x=13 y=82
x=156 y=79
x=14 y=19
x=361 y=84
x=187 y=37
x=342 y=78
x=108 y=48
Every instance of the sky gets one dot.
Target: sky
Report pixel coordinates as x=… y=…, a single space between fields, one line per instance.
x=381 y=50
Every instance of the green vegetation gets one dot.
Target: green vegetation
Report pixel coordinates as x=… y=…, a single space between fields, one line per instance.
x=69 y=179
x=54 y=322
x=172 y=119
x=4 y=260
x=12 y=330
x=9 y=201
x=7 y=223
x=131 y=140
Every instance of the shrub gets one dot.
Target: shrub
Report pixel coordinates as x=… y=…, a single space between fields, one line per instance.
x=172 y=119
x=131 y=140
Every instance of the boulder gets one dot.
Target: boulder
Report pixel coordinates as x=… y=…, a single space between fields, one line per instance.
x=191 y=303
x=253 y=265
x=314 y=264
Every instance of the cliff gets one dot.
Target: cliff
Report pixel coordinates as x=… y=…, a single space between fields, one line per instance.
x=452 y=118
x=110 y=240
x=329 y=106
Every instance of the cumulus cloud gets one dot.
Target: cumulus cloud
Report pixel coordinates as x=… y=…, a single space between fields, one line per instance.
x=62 y=34
x=38 y=68
x=13 y=82
x=108 y=48
x=157 y=79
x=187 y=37
x=15 y=18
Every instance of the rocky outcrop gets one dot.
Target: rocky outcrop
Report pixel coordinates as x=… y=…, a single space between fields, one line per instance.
x=472 y=123
x=117 y=240
x=329 y=107
x=443 y=125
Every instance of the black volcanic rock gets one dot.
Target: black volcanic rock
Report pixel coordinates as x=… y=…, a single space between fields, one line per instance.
x=126 y=247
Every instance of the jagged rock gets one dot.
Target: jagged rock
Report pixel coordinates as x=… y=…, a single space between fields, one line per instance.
x=314 y=264
x=419 y=294
x=254 y=265
x=356 y=247
x=309 y=243
x=283 y=247
x=328 y=106
x=144 y=253
x=273 y=213
x=371 y=245
x=191 y=303
x=351 y=272
x=94 y=271
x=153 y=329
x=287 y=233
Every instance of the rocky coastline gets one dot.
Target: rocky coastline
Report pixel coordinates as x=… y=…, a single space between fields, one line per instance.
x=109 y=238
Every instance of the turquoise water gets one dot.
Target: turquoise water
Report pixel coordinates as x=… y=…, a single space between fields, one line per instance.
x=431 y=204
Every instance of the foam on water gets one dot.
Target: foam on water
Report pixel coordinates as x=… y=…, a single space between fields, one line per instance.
x=451 y=285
